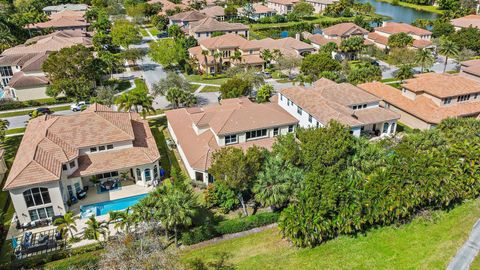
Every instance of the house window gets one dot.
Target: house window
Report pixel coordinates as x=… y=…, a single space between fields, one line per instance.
x=447 y=101
x=364 y=106
x=230 y=139
x=139 y=174
x=101 y=148
x=290 y=128
x=385 y=127
x=256 y=133
x=72 y=164
x=310 y=118
x=318 y=124
x=77 y=187
x=155 y=172
x=36 y=196
x=148 y=175
x=41 y=213
x=463 y=98
x=110 y=146
x=354 y=107
x=64 y=167
x=392 y=128
x=93 y=149
x=281 y=97
x=275 y=132
x=6 y=71
x=299 y=110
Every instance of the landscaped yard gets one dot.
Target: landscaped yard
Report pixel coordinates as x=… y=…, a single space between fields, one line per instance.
x=218 y=80
x=425 y=243
x=426 y=8
x=209 y=88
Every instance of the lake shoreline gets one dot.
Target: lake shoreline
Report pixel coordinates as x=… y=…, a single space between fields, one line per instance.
x=426 y=8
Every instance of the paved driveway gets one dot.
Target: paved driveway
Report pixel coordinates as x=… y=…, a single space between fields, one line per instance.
x=388 y=70
x=21 y=121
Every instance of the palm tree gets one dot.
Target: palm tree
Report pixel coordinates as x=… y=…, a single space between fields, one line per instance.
x=217 y=55
x=7 y=40
x=205 y=53
x=124 y=102
x=237 y=56
x=95 y=229
x=67 y=222
x=276 y=54
x=177 y=208
x=137 y=98
x=266 y=56
x=424 y=58
x=122 y=219
x=449 y=49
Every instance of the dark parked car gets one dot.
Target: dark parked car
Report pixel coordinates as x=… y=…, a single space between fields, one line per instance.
x=162 y=35
x=41 y=110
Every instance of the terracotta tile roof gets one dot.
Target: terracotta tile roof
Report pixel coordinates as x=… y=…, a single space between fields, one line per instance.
x=252 y=59
x=167 y=5
x=259 y=9
x=395 y=28
x=474 y=70
x=212 y=25
x=73 y=7
x=52 y=140
x=327 y=101
x=467 y=21
x=442 y=85
x=226 y=41
x=20 y=80
x=417 y=43
x=188 y=16
x=469 y=63
x=62 y=19
x=422 y=107
x=321 y=40
x=287 y=46
x=283 y=2
x=232 y=116
x=344 y=30
x=215 y=11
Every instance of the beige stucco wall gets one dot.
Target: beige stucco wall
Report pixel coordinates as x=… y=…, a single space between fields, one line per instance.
x=21 y=208
x=31 y=93
x=410 y=120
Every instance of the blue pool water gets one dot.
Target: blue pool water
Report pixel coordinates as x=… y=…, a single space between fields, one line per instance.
x=102 y=208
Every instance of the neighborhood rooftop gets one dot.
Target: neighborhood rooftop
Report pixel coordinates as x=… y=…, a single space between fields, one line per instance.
x=52 y=140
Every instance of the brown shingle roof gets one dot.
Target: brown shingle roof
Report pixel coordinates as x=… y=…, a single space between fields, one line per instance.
x=344 y=30
x=62 y=19
x=20 y=80
x=327 y=101
x=467 y=21
x=52 y=140
x=232 y=116
x=442 y=85
x=422 y=107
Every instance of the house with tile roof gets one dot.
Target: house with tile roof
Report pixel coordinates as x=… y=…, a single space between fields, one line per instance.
x=21 y=72
x=59 y=155
x=167 y=5
x=424 y=101
x=226 y=46
x=471 y=69
x=59 y=8
x=63 y=20
x=205 y=28
x=238 y=122
x=421 y=37
x=183 y=19
x=216 y=12
x=472 y=20
x=336 y=33
x=286 y=6
x=347 y=104
x=258 y=11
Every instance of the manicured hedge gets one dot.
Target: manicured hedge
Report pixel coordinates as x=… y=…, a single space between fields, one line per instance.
x=207 y=232
x=13 y=104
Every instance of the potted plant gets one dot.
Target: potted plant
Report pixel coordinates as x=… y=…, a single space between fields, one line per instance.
x=124 y=175
x=95 y=180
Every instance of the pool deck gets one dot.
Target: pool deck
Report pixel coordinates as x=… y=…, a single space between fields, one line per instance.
x=128 y=189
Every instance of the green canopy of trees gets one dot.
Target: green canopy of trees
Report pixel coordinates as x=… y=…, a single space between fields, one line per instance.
x=124 y=33
x=167 y=52
x=400 y=40
x=314 y=64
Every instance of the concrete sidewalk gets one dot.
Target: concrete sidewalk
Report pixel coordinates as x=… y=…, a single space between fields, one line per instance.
x=467 y=253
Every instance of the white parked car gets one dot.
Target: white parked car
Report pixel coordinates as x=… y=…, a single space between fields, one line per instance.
x=78 y=106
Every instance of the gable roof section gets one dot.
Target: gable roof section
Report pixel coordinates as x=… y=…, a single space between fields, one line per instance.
x=467 y=21
x=442 y=85
x=344 y=30
x=395 y=28
x=211 y=25
x=188 y=16
x=52 y=140
x=214 y=11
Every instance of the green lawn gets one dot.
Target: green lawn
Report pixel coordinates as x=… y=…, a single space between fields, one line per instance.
x=209 y=88
x=154 y=31
x=194 y=87
x=425 y=243
x=168 y=160
x=25 y=112
x=144 y=32
x=426 y=8
x=15 y=131
x=220 y=79
x=140 y=84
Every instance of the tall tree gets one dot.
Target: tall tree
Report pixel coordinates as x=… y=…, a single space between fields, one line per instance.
x=449 y=49
x=95 y=229
x=424 y=58
x=400 y=40
x=167 y=52
x=351 y=46
x=67 y=223
x=124 y=33
x=314 y=64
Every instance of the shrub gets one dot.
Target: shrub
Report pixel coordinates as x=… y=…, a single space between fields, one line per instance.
x=207 y=232
x=8 y=104
x=219 y=195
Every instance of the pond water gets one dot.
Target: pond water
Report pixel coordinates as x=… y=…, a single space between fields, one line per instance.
x=398 y=13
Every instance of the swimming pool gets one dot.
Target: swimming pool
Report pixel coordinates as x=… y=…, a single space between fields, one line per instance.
x=102 y=208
